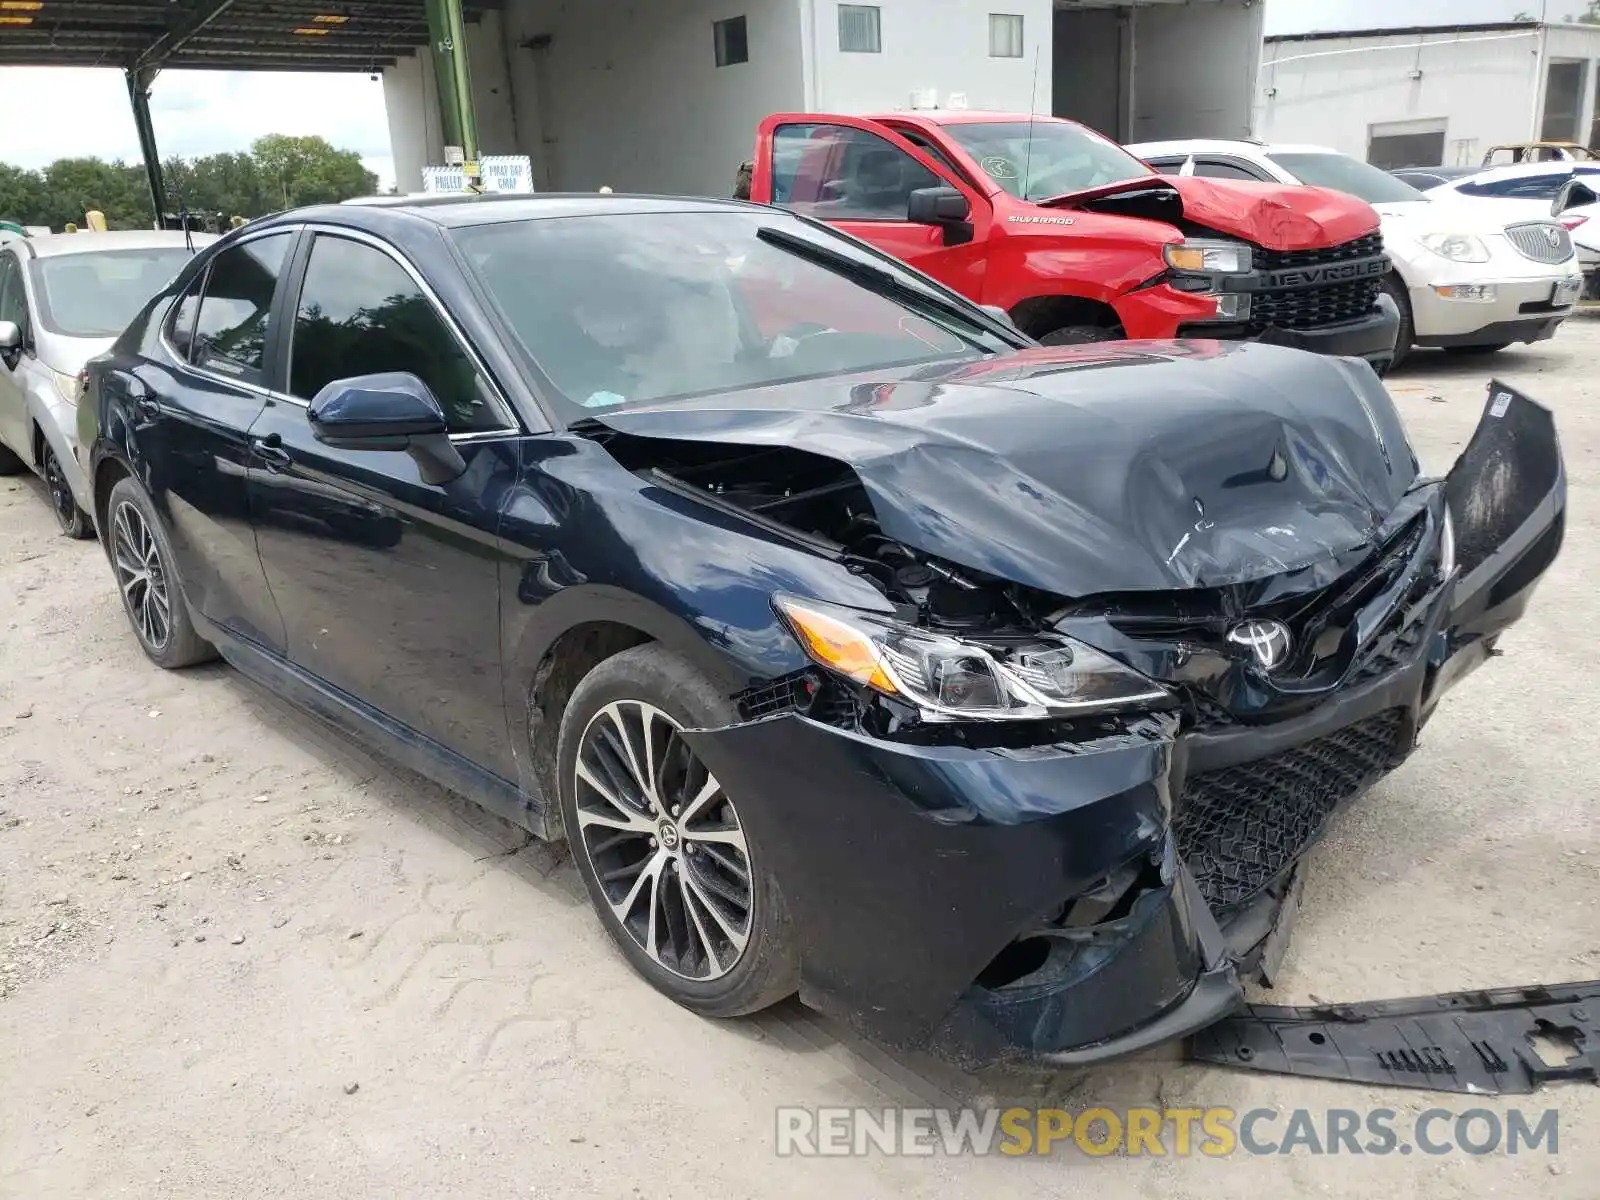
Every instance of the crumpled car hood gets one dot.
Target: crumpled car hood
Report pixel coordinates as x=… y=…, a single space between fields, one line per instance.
x=1129 y=467
x=1278 y=216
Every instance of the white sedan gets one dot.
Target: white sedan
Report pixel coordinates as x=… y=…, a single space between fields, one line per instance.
x=1466 y=280
x=63 y=299
x=1529 y=190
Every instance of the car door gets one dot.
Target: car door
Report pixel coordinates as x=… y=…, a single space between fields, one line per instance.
x=188 y=426
x=858 y=176
x=388 y=584
x=13 y=394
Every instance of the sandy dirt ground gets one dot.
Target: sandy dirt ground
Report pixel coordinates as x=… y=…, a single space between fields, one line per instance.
x=241 y=957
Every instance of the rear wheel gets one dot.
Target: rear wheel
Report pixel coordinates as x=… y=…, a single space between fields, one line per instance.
x=670 y=867
x=1078 y=335
x=73 y=520
x=141 y=559
x=1407 y=333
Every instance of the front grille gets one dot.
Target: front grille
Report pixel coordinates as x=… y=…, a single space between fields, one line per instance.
x=1312 y=308
x=1238 y=828
x=1542 y=241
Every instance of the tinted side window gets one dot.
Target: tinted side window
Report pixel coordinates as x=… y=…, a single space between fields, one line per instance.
x=1211 y=168
x=361 y=313
x=1167 y=166
x=230 y=333
x=845 y=174
x=1530 y=187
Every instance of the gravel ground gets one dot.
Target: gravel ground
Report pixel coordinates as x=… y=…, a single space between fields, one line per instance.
x=241 y=957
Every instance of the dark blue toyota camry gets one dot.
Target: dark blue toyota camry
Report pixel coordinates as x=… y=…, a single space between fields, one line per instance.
x=986 y=694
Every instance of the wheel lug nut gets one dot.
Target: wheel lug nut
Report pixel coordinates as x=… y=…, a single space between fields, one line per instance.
x=674 y=810
x=652 y=843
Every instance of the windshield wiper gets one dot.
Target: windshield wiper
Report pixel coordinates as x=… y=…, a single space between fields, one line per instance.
x=882 y=282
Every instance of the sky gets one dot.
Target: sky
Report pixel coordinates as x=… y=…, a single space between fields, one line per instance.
x=85 y=112
x=80 y=112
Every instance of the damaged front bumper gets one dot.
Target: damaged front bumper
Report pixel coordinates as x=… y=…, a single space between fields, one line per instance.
x=1085 y=899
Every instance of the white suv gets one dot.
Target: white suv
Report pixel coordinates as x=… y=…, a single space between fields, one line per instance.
x=1467 y=280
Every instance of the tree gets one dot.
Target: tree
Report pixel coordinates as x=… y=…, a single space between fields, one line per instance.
x=279 y=172
x=1589 y=16
x=307 y=170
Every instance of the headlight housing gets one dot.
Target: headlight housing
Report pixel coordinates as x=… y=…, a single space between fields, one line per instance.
x=952 y=679
x=1199 y=254
x=1457 y=247
x=69 y=387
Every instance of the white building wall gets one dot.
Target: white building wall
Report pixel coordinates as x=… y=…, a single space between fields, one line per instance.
x=1194 y=69
x=1485 y=87
x=411 y=101
x=937 y=46
x=627 y=93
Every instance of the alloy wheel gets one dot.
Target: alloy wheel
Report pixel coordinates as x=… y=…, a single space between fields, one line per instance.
x=61 y=499
x=140 y=575
x=664 y=841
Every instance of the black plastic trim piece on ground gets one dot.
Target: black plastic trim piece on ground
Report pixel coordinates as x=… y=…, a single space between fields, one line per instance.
x=1479 y=1042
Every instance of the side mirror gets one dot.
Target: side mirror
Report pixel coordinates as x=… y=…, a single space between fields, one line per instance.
x=945 y=207
x=393 y=410
x=10 y=337
x=1574 y=193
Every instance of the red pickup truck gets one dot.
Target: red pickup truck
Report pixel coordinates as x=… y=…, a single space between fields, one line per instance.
x=1077 y=240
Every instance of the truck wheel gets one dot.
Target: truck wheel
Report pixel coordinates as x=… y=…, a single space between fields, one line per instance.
x=1077 y=335
x=1407 y=332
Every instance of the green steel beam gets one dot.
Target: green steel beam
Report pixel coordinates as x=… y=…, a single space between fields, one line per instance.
x=447 y=31
x=139 y=81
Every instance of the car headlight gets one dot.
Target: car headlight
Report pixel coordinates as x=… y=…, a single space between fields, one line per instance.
x=67 y=386
x=949 y=678
x=1197 y=254
x=1457 y=247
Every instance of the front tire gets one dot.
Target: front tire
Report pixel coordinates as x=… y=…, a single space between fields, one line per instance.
x=147 y=578
x=74 y=522
x=1080 y=335
x=669 y=865
x=1406 y=336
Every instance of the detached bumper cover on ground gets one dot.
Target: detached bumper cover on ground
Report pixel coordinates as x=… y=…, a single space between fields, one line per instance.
x=1090 y=897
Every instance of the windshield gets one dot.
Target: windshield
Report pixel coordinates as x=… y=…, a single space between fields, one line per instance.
x=1344 y=174
x=621 y=309
x=1035 y=160
x=96 y=294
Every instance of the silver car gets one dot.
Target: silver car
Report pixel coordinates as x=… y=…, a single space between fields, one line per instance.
x=64 y=299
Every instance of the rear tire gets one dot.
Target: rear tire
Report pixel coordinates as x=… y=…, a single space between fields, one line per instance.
x=1080 y=335
x=1406 y=336
x=147 y=579
x=74 y=522
x=10 y=464
x=672 y=871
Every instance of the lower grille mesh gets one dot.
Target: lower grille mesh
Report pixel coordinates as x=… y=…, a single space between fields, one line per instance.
x=1239 y=827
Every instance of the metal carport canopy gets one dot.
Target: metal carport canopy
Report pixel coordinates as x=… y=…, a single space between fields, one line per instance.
x=141 y=37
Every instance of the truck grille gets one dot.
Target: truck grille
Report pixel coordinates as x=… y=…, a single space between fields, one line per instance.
x=1240 y=827
x=1312 y=308
x=1542 y=241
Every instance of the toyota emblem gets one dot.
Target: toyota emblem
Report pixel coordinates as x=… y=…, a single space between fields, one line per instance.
x=1268 y=641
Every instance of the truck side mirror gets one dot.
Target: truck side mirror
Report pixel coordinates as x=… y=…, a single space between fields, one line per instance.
x=945 y=207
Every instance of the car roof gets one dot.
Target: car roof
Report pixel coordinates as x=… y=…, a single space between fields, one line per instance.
x=1248 y=149
x=54 y=245
x=968 y=116
x=454 y=210
x=1524 y=170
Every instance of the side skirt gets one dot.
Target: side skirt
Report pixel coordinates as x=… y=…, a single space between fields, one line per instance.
x=383 y=733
